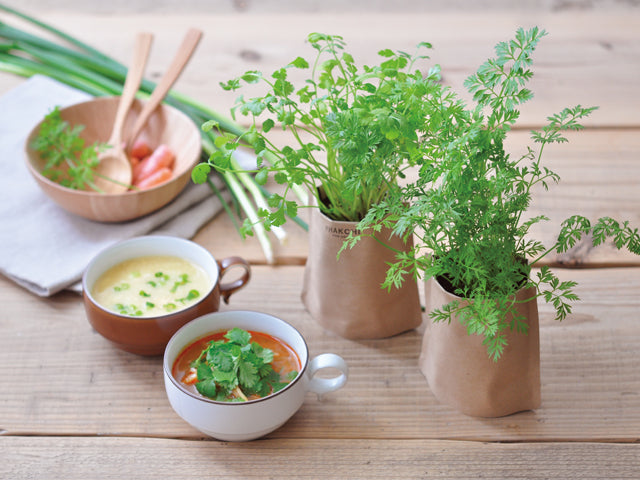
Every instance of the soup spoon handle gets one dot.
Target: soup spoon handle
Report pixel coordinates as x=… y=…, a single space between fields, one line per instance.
x=183 y=55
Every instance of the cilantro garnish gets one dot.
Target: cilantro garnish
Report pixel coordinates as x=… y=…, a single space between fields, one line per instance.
x=234 y=368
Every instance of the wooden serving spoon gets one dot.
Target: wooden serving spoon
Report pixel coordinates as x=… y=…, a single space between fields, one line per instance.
x=180 y=60
x=114 y=162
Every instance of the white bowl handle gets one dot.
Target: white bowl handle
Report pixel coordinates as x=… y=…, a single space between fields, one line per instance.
x=321 y=386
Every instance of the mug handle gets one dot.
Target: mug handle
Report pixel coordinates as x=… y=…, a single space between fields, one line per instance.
x=226 y=289
x=321 y=386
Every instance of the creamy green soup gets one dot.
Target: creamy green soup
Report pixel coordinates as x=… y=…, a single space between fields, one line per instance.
x=151 y=286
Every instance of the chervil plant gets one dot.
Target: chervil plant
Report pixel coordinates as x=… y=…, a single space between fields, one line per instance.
x=468 y=207
x=68 y=160
x=354 y=130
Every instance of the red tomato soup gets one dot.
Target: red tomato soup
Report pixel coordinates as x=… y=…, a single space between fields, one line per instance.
x=285 y=359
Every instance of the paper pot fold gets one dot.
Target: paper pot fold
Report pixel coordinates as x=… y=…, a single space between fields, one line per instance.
x=345 y=295
x=460 y=372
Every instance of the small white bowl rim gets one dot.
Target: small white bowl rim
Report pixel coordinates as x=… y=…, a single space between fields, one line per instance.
x=167 y=368
x=119 y=244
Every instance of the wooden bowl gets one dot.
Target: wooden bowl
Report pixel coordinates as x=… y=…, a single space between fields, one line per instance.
x=167 y=125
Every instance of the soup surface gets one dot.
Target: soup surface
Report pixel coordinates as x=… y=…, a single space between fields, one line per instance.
x=151 y=286
x=236 y=365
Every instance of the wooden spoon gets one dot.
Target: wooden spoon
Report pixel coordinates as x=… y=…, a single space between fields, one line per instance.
x=114 y=162
x=180 y=60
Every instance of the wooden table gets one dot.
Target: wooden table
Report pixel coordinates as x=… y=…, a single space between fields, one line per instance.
x=74 y=407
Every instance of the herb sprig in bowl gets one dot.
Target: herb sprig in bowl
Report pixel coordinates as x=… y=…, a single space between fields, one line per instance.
x=236 y=367
x=69 y=161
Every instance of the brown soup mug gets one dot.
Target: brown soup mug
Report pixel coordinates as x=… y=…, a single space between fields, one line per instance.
x=150 y=335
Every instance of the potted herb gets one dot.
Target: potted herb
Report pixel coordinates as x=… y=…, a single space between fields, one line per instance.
x=468 y=213
x=354 y=132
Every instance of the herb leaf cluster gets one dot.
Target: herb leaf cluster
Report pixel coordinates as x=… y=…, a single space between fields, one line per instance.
x=467 y=210
x=234 y=368
x=354 y=130
x=69 y=161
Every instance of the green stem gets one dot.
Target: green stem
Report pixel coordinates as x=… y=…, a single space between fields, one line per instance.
x=97 y=74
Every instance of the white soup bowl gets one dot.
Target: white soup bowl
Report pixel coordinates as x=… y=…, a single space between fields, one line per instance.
x=242 y=421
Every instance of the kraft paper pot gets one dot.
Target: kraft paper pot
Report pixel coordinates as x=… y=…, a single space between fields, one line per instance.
x=460 y=372
x=344 y=295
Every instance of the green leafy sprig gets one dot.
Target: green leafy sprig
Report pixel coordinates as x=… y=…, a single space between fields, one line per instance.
x=235 y=368
x=60 y=56
x=354 y=130
x=467 y=209
x=69 y=161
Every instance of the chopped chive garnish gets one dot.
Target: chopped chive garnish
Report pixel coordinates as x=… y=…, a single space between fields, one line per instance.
x=190 y=296
x=130 y=310
x=183 y=280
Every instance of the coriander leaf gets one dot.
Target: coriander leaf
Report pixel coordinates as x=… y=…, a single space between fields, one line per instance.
x=238 y=336
x=265 y=354
x=247 y=374
x=237 y=367
x=208 y=388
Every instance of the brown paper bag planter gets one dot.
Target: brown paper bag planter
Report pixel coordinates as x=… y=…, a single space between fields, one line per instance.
x=344 y=295
x=460 y=372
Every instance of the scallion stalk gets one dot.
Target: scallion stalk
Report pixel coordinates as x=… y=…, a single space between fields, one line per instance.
x=91 y=71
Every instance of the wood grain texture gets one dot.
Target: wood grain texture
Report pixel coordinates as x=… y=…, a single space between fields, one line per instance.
x=588 y=58
x=101 y=458
x=74 y=407
x=600 y=176
x=52 y=363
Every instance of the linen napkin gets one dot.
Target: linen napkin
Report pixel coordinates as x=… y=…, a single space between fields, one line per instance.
x=44 y=248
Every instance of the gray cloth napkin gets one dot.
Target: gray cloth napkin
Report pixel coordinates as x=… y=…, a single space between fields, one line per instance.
x=43 y=247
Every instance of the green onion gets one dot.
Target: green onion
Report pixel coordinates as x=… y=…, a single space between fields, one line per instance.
x=169 y=307
x=91 y=71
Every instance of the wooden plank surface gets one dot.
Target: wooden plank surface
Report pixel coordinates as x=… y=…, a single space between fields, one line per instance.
x=52 y=363
x=72 y=406
x=590 y=59
x=600 y=176
x=599 y=168
x=353 y=459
